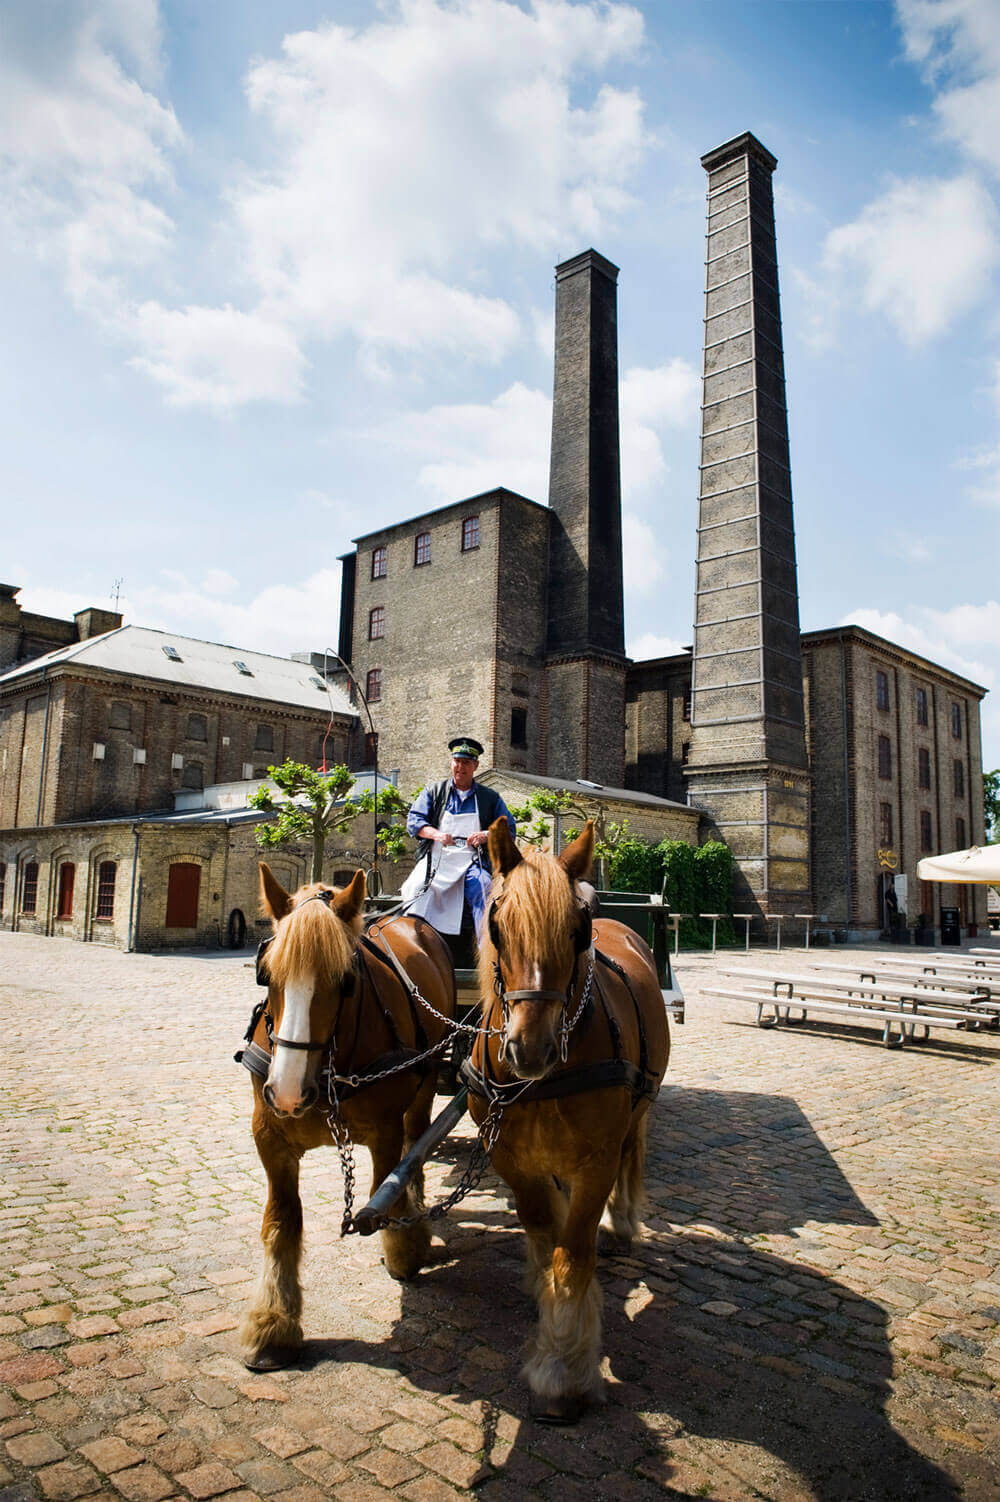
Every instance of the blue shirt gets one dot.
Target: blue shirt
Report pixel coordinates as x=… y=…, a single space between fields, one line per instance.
x=455 y=803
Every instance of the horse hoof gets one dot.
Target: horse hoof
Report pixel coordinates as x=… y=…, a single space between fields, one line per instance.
x=610 y=1244
x=556 y=1411
x=272 y=1359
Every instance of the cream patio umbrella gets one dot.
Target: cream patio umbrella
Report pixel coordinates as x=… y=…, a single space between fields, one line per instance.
x=981 y=864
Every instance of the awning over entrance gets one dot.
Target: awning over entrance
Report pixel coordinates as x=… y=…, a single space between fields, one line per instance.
x=980 y=864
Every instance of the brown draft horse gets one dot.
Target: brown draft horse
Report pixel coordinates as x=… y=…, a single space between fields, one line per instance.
x=568 y=1154
x=333 y=1001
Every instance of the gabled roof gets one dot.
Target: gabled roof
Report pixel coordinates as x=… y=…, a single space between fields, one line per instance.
x=139 y=652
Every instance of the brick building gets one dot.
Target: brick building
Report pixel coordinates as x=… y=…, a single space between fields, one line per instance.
x=773 y=735
x=106 y=748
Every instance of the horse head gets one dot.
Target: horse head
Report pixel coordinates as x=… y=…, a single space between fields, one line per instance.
x=538 y=928
x=310 y=969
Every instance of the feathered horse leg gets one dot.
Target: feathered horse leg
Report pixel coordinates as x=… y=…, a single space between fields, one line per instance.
x=271 y=1332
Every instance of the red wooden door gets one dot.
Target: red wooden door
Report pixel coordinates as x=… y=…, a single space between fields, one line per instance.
x=183 y=886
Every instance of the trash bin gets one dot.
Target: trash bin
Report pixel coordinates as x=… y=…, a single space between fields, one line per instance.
x=951 y=928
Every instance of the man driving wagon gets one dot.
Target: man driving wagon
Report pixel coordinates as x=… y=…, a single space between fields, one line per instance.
x=450 y=883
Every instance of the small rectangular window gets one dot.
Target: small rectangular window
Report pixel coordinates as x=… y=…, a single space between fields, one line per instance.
x=956 y=721
x=926 y=830
x=265 y=738
x=197 y=727
x=173 y=654
x=958 y=779
x=885 y=823
x=67 y=877
x=371 y=747
x=421 y=549
x=29 y=888
x=241 y=667
x=380 y=563
x=959 y=834
x=376 y=623
x=882 y=689
x=373 y=685
x=470 y=534
x=519 y=726
x=193 y=776
x=923 y=767
x=884 y=757
x=120 y=716
x=105 y=906
x=921 y=700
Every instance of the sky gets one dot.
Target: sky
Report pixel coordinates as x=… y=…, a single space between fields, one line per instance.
x=276 y=273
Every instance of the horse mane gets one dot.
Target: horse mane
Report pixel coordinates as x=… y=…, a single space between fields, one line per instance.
x=539 y=913
x=311 y=940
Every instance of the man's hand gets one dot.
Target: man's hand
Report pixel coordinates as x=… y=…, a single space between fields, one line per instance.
x=444 y=838
x=479 y=838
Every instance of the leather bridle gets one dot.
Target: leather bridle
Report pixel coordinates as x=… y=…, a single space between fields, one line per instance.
x=347 y=985
x=583 y=941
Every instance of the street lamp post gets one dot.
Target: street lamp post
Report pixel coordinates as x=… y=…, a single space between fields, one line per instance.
x=375 y=884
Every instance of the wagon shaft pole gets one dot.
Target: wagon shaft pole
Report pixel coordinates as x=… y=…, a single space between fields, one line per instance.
x=394 y=1184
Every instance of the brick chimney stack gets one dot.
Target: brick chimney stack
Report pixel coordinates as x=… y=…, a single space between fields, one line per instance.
x=586 y=623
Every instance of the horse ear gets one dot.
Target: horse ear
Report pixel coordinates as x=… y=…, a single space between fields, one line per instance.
x=272 y=894
x=504 y=854
x=577 y=858
x=348 y=903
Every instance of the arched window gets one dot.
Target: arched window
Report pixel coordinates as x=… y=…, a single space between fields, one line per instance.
x=197 y=727
x=120 y=716
x=104 y=906
x=29 y=888
x=373 y=685
x=265 y=738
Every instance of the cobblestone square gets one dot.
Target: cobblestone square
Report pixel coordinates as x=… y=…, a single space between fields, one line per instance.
x=813 y=1311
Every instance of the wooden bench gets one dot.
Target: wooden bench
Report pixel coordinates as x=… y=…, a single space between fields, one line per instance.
x=864 y=992
x=835 y=1006
x=953 y=991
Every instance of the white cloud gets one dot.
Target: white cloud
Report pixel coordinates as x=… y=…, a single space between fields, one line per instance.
x=471 y=447
x=650 y=645
x=643 y=558
x=922 y=255
x=965 y=638
x=652 y=401
x=83 y=144
x=407 y=150
x=280 y=619
x=217 y=357
x=957 y=45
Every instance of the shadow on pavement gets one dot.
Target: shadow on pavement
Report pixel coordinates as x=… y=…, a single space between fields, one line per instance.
x=783 y=1370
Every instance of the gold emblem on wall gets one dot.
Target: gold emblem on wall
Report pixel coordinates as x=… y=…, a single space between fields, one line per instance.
x=888 y=860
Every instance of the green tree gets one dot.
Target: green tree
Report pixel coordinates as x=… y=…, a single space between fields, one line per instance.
x=533 y=827
x=314 y=805
x=991 y=798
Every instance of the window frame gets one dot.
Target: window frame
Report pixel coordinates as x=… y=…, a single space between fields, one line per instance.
x=380 y=562
x=921 y=705
x=885 y=823
x=258 y=743
x=881 y=690
x=958 y=778
x=926 y=831
x=373 y=685
x=961 y=838
x=104 y=892
x=196 y=719
x=421 y=547
x=956 y=720
x=924 y=768
x=29 y=885
x=470 y=533
x=519 y=719
x=376 y=619
x=884 y=761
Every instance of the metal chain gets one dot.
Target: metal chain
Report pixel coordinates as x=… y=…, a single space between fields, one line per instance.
x=567 y=1027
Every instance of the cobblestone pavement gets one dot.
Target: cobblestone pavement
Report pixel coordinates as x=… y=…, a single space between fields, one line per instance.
x=814 y=1311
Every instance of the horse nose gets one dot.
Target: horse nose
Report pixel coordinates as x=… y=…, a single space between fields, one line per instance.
x=270 y=1101
x=310 y=1096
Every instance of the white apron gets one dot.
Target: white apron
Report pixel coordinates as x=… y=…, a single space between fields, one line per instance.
x=441 y=903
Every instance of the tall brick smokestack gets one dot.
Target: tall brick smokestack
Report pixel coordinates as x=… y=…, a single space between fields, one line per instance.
x=747 y=766
x=586 y=628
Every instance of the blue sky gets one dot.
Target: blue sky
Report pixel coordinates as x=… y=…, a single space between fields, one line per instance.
x=275 y=274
